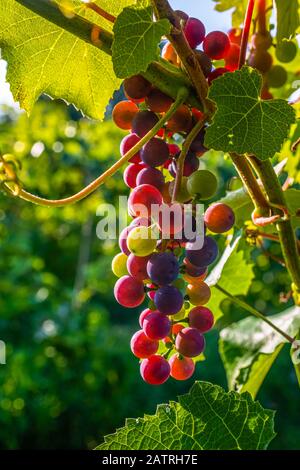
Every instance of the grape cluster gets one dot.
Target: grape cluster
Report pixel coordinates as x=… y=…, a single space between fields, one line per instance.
x=160 y=263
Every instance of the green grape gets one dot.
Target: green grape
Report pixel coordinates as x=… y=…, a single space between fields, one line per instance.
x=203 y=184
x=141 y=241
x=118 y=265
x=183 y=195
x=277 y=76
x=234 y=184
x=286 y=51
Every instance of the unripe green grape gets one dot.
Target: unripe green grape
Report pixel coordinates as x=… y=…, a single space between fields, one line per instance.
x=180 y=315
x=141 y=241
x=203 y=184
x=183 y=195
x=119 y=265
x=286 y=51
x=277 y=76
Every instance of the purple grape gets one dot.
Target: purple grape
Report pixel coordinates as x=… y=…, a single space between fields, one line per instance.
x=156 y=326
x=151 y=176
x=143 y=122
x=168 y=300
x=190 y=342
x=193 y=271
x=191 y=165
x=155 y=152
x=204 y=256
x=163 y=268
x=197 y=145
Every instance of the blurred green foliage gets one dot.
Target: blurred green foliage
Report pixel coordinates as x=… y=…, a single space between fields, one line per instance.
x=70 y=377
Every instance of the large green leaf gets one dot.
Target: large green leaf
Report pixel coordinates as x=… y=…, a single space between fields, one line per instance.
x=249 y=348
x=207 y=418
x=243 y=123
x=136 y=40
x=43 y=58
x=287 y=18
x=234 y=273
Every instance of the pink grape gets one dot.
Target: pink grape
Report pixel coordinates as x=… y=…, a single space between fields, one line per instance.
x=190 y=342
x=156 y=326
x=144 y=195
x=155 y=370
x=129 y=292
x=142 y=346
x=137 y=266
x=127 y=144
x=194 y=31
x=201 y=318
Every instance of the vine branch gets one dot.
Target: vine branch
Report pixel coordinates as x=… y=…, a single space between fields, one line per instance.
x=107 y=174
x=246 y=31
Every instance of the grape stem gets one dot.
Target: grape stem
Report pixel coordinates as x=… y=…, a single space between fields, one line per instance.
x=111 y=171
x=180 y=162
x=246 y=31
x=254 y=312
x=286 y=233
x=107 y=16
x=187 y=56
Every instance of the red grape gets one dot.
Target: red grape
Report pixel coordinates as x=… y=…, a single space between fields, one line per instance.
x=123 y=240
x=201 y=318
x=146 y=196
x=143 y=122
x=127 y=144
x=182 y=368
x=137 y=87
x=156 y=326
x=155 y=152
x=137 y=266
x=142 y=346
x=216 y=45
x=130 y=174
x=219 y=218
x=194 y=31
x=190 y=342
x=143 y=315
x=151 y=176
x=199 y=294
x=129 y=292
x=232 y=58
x=155 y=370
x=158 y=101
x=216 y=74
x=124 y=113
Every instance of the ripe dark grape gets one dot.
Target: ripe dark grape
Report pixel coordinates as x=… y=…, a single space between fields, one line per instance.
x=130 y=174
x=286 y=51
x=158 y=101
x=127 y=144
x=193 y=271
x=199 y=294
x=277 y=76
x=204 y=256
x=232 y=57
x=235 y=35
x=151 y=176
x=194 y=31
x=203 y=184
x=142 y=346
x=145 y=195
x=163 y=268
x=129 y=292
x=156 y=326
x=205 y=62
x=261 y=60
x=123 y=240
x=174 y=150
x=119 y=265
x=124 y=113
x=137 y=266
x=137 y=87
x=182 y=368
x=190 y=342
x=155 y=152
x=168 y=300
x=201 y=318
x=219 y=218
x=181 y=121
x=197 y=145
x=216 y=45
x=155 y=370
x=216 y=74
x=143 y=122
x=191 y=164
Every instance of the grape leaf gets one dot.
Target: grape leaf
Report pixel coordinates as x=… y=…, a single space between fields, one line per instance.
x=249 y=348
x=288 y=20
x=207 y=418
x=136 y=40
x=234 y=273
x=239 y=8
x=43 y=58
x=243 y=123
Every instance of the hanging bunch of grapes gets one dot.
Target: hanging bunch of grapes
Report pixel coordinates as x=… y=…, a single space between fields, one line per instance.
x=163 y=263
